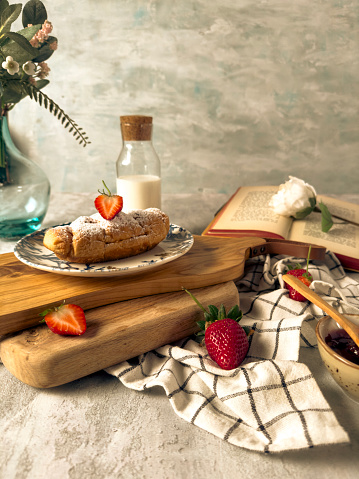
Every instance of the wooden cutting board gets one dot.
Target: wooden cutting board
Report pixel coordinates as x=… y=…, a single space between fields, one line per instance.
x=26 y=292
x=114 y=333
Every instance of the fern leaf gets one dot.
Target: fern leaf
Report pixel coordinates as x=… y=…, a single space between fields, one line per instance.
x=37 y=95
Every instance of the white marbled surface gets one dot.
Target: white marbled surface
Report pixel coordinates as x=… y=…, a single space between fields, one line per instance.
x=242 y=92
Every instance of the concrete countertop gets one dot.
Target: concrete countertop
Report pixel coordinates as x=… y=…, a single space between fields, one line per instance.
x=96 y=428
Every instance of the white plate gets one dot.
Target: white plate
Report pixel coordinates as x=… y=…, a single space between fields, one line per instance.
x=31 y=251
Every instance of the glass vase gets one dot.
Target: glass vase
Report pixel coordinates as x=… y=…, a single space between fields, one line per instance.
x=24 y=189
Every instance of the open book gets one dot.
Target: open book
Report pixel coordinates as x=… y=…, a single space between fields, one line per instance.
x=247 y=213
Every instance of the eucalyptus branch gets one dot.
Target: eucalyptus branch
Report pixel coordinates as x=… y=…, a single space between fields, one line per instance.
x=43 y=100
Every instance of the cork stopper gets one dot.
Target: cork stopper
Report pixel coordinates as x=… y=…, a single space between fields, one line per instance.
x=136 y=128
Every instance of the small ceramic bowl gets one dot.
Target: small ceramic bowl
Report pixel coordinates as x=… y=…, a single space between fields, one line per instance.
x=344 y=372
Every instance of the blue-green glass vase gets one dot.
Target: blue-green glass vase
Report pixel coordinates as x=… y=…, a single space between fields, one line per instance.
x=24 y=189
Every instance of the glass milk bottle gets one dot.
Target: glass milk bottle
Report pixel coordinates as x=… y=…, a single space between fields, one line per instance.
x=138 y=166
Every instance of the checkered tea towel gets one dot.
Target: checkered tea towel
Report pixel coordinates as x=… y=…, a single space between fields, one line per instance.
x=271 y=403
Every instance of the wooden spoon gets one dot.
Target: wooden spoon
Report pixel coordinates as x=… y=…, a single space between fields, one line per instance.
x=351 y=328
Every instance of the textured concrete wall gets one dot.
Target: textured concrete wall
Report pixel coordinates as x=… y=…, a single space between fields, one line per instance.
x=242 y=92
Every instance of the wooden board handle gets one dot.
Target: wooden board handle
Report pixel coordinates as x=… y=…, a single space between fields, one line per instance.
x=290 y=248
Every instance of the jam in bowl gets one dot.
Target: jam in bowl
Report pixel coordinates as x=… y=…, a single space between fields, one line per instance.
x=339 y=354
x=340 y=342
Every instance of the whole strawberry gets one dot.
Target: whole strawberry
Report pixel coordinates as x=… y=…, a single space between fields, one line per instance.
x=107 y=204
x=303 y=275
x=226 y=341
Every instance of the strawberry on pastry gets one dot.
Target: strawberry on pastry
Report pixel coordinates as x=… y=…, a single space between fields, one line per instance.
x=107 y=204
x=66 y=319
x=226 y=341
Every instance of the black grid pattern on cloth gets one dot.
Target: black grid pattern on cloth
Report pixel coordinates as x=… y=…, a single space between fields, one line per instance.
x=211 y=398
x=270 y=403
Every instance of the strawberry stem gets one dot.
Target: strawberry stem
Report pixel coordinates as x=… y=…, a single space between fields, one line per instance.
x=103 y=191
x=310 y=248
x=196 y=300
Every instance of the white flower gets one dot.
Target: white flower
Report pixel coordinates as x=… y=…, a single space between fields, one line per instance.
x=29 y=68
x=294 y=198
x=10 y=65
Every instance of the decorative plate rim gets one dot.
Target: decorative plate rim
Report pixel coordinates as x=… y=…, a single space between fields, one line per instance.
x=30 y=251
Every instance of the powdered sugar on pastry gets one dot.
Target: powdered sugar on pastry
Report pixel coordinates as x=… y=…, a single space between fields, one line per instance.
x=92 y=239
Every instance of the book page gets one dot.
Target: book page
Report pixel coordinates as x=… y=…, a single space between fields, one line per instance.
x=348 y=211
x=248 y=209
x=342 y=238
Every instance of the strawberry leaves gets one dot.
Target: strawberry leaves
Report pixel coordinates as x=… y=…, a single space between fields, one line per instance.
x=214 y=314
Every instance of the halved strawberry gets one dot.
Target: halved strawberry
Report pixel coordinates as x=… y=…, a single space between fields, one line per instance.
x=67 y=319
x=107 y=204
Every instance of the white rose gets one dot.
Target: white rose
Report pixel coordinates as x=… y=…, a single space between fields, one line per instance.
x=293 y=197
